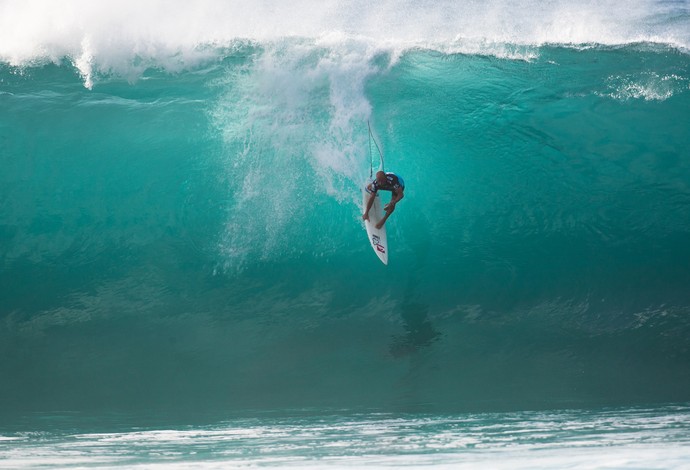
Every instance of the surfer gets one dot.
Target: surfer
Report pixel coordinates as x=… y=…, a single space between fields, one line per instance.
x=388 y=182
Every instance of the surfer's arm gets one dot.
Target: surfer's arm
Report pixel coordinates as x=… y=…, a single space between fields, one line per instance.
x=370 y=202
x=397 y=196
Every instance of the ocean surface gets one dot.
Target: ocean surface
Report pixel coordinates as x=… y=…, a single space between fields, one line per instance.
x=182 y=250
x=609 y=438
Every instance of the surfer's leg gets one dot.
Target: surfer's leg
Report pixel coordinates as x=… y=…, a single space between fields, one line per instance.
x=383 y=220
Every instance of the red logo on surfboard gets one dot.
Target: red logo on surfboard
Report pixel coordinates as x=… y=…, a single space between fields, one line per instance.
x=377 y=243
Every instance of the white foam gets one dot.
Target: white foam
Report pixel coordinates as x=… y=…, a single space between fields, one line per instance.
x=635 y=438
x=294 y=122
x=127 y=36
x=647 y=86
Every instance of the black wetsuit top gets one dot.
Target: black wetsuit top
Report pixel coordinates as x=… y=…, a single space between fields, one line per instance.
x=393 y=183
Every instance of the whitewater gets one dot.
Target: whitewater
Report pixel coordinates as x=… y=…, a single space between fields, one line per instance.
x=185 y=278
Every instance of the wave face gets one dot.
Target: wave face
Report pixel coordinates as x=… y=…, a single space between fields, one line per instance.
x=180 y=214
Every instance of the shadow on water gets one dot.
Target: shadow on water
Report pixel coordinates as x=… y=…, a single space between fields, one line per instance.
x=419 y=330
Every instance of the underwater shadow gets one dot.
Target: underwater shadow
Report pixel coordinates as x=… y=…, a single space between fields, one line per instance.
x=419 y=330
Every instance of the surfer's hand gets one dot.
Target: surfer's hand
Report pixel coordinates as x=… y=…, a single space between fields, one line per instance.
x=380 y=224
x=365 y=216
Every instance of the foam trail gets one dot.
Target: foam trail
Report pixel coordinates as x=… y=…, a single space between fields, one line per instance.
x=283 y=153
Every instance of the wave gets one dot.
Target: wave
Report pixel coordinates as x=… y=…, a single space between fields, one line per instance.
x=190 y=225
x=127 y=37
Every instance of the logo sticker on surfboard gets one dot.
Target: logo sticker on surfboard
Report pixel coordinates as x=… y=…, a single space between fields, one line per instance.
x=377 y=243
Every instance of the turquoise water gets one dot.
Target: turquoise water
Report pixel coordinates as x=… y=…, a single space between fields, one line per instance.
x=180 y=213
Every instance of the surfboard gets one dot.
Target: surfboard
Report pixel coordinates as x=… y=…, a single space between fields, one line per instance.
x=377 y=236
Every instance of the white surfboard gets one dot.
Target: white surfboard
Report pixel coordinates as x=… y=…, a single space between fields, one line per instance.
x=377 y=236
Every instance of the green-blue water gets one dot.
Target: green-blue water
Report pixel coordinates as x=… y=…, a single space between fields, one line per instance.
x=181 y=237
x=180 y=214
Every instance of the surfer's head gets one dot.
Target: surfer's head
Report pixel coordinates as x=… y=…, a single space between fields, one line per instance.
x=380 y=177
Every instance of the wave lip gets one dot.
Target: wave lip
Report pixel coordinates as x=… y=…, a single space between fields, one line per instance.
x=126 y=37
